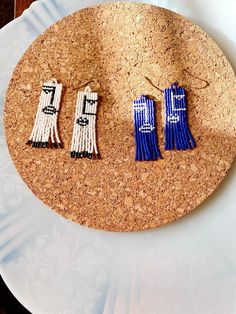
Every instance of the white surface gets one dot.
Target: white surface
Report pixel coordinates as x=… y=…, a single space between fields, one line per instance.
x=54 y=266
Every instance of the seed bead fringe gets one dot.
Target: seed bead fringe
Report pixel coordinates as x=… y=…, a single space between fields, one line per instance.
x=44 y=133
x=84 y=132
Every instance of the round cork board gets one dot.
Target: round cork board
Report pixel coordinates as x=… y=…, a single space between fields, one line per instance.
x=118 y=45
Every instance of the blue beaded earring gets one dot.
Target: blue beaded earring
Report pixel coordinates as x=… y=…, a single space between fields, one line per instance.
x=145 y=129
x=177 y=133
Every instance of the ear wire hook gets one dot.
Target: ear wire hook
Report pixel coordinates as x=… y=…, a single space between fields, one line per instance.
x=198 y=78
x=151 y=83
x=176 y=82
x=52 y=72
x=88 y=84
x=52 y=75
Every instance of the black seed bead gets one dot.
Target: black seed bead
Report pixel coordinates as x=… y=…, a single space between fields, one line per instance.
x=73 y=154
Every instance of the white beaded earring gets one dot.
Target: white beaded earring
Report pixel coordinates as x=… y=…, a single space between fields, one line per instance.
x=84 y=132
x=45 y=133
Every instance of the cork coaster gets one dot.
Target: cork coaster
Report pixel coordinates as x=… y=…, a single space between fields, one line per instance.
x=119 y=44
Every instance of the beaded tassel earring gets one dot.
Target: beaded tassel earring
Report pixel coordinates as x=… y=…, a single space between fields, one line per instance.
x=145 y=129
x=84 y=132
x=44 y=133
x=177 y=133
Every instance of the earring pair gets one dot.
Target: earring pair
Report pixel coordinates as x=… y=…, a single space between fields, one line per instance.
x=176 y=131
x=45 y=132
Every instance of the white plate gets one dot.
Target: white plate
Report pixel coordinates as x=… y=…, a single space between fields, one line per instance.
x=55 y=266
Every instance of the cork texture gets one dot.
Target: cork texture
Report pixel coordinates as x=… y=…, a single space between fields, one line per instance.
x=118 y=45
